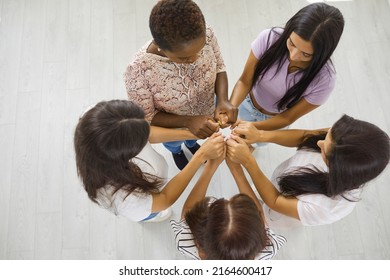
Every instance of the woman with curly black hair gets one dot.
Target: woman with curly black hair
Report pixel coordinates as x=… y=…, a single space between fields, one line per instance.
x=177 y=76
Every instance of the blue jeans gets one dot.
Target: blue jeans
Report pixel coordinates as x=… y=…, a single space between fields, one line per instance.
x=151 y=216
x=175 y=146
x=248 y=112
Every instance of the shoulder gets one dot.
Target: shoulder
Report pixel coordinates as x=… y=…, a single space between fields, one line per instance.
x=142 y=59
x=264 y=40
x=275 y=242
x=275 y=239
x=210 y=34
x=327 y=75
x=319 y=209
x=134 y=206
x=269 y=35
x=185 y=242
x=322 y=85
x=306 y=158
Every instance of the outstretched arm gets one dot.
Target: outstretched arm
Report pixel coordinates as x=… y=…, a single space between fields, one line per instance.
x=238 y=151
x=212 y=148
x=242 y=183
x=201 y=126
x=225 y=112
x=244 y=83
x=287 y=137
x=162 y=134
x=199 y=190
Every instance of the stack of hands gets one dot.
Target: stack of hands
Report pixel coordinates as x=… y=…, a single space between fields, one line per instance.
x=231 y=144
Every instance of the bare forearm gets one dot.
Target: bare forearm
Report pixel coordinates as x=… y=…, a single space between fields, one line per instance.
x=199 y=190
x=266 y=189
x=221 y=87
x=168 y=120
x=288 y=137
x=239 y=93
x=243 y=184
x=273 y=123
x=269 y=194
x=162 y=134
x=176 y=185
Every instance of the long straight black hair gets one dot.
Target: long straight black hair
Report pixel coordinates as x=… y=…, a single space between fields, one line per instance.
x=318 y=23
x=106 y=138
x=359 y=152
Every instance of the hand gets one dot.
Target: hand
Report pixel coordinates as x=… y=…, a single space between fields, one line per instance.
x=225 y=113
x=231 y=164
x=238 y=150
x=248 y=131
x=202 y=126
x=212 y=148
x=215 y=162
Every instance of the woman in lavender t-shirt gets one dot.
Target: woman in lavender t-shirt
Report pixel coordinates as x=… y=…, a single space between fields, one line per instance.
x=289 y=72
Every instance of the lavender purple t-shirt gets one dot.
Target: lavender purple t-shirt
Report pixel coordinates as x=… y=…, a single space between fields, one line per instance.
x=273 y=87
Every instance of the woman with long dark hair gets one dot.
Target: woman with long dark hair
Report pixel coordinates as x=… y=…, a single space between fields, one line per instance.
x=323 y=181
x=221 y=229
x=119 y=168
x=289 y=71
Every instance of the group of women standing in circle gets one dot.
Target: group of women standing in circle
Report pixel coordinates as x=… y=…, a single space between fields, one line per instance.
x=178 y=93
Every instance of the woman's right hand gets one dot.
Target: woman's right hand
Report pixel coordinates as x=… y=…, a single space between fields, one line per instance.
x=202 y=126
x=248 y=131
x=212 y=148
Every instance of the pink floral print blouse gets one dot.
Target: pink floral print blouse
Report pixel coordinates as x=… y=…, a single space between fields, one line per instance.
x=158 y=84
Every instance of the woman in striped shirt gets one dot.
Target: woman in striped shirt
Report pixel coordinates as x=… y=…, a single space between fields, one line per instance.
x=213 y=228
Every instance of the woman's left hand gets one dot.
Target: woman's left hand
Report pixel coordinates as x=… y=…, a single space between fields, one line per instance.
x=215 y=162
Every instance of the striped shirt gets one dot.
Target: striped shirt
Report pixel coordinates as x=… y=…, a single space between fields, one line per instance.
x=185 y=243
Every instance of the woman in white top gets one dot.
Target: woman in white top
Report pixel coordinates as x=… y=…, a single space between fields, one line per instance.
x=119 y=168
x=322 y=182
x=224 y=229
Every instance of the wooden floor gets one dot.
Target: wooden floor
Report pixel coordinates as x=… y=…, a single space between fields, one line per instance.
x=59 y=56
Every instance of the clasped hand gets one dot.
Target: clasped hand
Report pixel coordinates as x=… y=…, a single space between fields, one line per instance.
x=215 y=149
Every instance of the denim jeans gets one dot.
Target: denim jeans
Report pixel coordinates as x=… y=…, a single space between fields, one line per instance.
x=248 y=112
x=175 y=146
x=151 y=216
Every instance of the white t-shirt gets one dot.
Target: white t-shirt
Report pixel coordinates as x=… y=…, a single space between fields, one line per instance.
x=313 y=209
x=135 y=206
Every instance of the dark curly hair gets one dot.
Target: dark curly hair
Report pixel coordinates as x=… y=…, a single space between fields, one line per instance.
x=174 y=22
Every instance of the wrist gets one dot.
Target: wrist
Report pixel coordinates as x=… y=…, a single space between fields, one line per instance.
x=199 y=156
x=186 y=121
x=212 y=165
x=250 y=162
x=235 y=168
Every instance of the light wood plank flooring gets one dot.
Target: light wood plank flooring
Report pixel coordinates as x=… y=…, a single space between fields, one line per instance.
x=59 y=56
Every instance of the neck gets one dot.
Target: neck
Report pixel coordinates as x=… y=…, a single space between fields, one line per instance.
x=153 y=48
